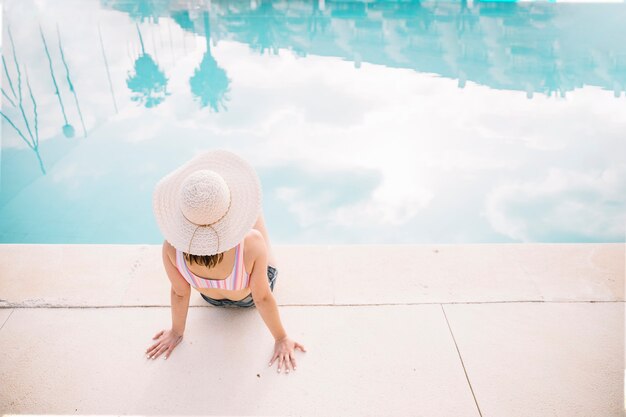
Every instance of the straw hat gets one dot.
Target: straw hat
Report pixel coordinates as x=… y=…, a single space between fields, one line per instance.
x=207 y=205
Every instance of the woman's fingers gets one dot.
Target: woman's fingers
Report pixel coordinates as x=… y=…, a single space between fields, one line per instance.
x=153 y=350
x=168 y=352
x=293 y=360
x=280 y=363
x=150 y=350
x=156 y=349
x=160 y=350
x=273 y=358
x=287 y=360
x=152 y=347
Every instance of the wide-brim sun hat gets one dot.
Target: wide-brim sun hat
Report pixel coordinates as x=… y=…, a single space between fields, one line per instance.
x=208 y=204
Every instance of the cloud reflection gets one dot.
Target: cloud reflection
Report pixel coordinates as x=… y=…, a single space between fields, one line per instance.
x=563 y=206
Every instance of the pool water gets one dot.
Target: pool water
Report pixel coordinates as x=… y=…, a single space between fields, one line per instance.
x=368 y=122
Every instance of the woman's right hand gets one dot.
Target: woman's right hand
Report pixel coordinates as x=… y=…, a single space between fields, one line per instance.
x=284 y=352
x=167 y=341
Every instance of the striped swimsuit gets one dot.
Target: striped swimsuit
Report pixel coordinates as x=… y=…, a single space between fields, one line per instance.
x=237 y=280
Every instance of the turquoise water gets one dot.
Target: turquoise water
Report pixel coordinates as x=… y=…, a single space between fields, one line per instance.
x=368 y=122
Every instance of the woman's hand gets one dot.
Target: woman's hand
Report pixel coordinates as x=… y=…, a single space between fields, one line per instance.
x=167 y=341
x=284 y=351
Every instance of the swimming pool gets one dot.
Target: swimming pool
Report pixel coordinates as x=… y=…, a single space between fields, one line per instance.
x=368 y=122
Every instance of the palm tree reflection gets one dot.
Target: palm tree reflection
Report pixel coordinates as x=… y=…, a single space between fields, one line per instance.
x=67 y=128
x=148 y=83
x=209 y=81
x=263 y=27
x=70 y=84
x=32 y=141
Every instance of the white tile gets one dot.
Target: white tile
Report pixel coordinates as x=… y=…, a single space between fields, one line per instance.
x=543 y=359
x=391 y=360
x=427 y=273
x=477 y=272
x=574 y=271
x=81 y=275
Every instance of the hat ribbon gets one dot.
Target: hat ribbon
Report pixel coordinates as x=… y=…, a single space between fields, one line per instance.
x=208 y=225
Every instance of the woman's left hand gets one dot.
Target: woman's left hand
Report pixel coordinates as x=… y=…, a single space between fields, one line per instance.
x=167 y=341
x=284 y=351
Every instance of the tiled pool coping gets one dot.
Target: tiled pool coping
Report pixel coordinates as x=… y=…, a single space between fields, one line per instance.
x=133 y=275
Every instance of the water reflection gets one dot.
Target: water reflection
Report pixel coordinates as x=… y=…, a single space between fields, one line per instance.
x=263 y=26
x=106 y=65
x=534 y=48
x=31 y=141
x=69 y=83
x=209 y=82
x=149 y=83
x=142 y=10
x=67 y=128
x=377 y=122
x=4 y=93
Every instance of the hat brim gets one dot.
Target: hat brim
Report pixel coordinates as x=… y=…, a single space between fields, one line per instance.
x=245 y=192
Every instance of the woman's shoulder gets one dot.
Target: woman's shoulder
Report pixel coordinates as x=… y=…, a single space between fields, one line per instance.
x=169 y=251
x=254 y=245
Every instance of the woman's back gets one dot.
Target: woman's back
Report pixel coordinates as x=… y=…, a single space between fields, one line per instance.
x=200 y=276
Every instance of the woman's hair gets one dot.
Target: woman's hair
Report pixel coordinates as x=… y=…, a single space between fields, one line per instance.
x=206 y=260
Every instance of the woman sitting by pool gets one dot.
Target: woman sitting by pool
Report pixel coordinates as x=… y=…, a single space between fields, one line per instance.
x=209 y=211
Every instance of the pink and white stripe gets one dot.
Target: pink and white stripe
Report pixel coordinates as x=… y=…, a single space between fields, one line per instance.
x=238 y=278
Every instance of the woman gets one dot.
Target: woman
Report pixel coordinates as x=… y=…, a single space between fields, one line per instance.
x=209 y=211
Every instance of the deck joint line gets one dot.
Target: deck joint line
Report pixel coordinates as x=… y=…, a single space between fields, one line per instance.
x=27 y=305
x=461 y=359
x=7 y=319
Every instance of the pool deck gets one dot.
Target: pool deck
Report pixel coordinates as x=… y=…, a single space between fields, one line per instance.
x=496 y=330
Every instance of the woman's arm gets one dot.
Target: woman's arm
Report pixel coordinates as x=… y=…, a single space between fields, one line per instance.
x=268 y=309
x=260 y=287
x=180 y=307
x=284 y=347
x=180 y=293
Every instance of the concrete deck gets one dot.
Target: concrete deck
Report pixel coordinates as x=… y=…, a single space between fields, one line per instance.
x=418 y=330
